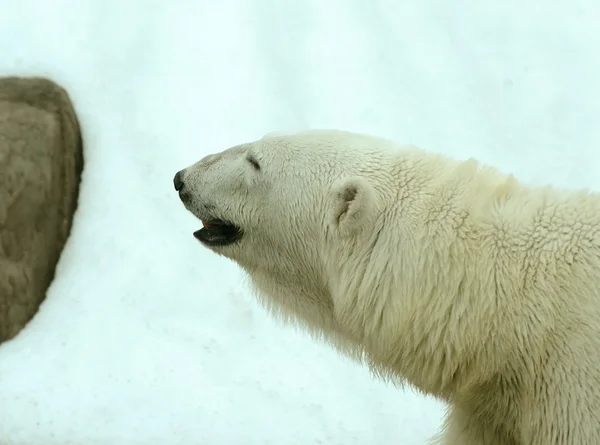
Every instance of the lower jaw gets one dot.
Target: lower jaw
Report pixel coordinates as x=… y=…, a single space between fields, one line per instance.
x=216 y=238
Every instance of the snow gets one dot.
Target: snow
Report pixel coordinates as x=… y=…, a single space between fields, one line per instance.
x=146 y=337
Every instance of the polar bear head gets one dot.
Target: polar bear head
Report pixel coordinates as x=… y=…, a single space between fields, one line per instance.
x=282 y=206
x=370 y=245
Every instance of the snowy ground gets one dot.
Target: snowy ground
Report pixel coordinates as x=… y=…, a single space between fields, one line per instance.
x=146 y=337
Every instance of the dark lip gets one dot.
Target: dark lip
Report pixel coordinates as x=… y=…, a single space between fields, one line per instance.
x=218 y=233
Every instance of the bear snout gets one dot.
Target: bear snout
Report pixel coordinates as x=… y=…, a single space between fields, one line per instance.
x=179 y=184
x=178 y=181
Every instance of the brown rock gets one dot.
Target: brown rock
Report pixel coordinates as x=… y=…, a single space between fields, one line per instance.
x=40 y=166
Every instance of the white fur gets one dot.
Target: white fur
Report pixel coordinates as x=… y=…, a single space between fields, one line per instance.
x=449 y=275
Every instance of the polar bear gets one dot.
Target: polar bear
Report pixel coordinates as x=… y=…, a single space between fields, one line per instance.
x=449 y=275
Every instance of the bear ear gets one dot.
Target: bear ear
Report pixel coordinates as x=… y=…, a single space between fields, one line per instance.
x=352 y=204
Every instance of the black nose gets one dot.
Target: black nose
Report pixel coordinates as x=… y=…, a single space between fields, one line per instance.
x=177 y=181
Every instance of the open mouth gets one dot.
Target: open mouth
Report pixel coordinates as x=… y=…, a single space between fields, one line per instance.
x=216 y=232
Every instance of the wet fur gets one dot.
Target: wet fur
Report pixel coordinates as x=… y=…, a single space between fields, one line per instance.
x=448 y=275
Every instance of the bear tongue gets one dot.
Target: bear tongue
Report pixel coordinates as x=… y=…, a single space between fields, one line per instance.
x=205 y=224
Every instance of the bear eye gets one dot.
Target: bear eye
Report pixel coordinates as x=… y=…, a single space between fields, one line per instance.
x=254 y=163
